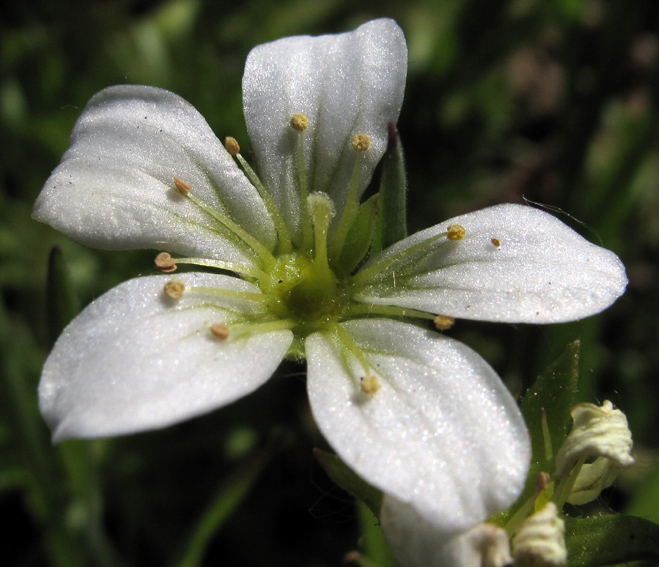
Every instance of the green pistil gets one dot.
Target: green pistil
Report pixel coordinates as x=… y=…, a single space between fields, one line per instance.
x=304 y=193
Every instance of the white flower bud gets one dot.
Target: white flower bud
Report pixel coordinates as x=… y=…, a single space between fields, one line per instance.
x=596 y=432
x=540 y=540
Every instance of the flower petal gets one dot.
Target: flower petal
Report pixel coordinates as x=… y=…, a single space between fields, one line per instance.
x=418 y=543
x=515 y=264
x=134 y=360
x=346 y=84
x=441 y=434
x=115 y=185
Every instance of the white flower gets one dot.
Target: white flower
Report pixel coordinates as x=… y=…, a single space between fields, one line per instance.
x=418 y=415
x=601 y=432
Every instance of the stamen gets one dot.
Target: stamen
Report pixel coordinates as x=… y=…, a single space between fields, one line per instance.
x=280 y=226
x=456 y=232
x=220 y=331
x=174 y=289
x=248 y=271
x=229 y=293
x=444 y=322
x=360 y=143
x=364 y=275
x=357 y=309
x=370 y=384
x=353 y=348
x=232 y=146
x=165 y=263
x=182 y=186
x=265 y=255
x=299 y=122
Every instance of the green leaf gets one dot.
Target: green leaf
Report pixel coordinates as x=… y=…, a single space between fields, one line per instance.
x=61 y=300
x=553 y=395
x=392 y=225
x=608 y=540
x=361 y=234
x=347 y=479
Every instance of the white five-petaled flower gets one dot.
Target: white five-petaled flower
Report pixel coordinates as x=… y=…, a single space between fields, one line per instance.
x=418 y=415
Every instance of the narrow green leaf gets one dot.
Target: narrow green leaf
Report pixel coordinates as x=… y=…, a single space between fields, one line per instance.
x=360 y=236
x=553 y=394
x=231 y=493
x=608 y=540
x=61 y=300
x=347 y=479
x=392 y=225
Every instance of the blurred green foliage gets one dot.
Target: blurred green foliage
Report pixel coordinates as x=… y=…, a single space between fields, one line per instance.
x=552 y=101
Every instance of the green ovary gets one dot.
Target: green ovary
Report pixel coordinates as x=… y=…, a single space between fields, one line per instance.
x=306 y=291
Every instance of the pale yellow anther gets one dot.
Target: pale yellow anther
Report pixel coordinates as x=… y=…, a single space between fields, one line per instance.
x=299 y=122
x=456 y=232
x=496 y=242
x=444 y=322
x=370 y=384
x=182 y=186
x=361 y=142
x=232 y=146
x=174 y=289
x=165 y=263
x=220 y=330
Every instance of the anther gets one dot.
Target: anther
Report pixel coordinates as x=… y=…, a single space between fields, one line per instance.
x=361 y=142
x=444 y=322
x=165 y=263
x=456 y=232
x=182 y=186
x=370 y=384
x=174 y=289
x=299 y=122
x=232 y=146
x=220 y=330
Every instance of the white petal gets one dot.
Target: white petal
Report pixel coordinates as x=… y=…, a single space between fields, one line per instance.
x=346 y=84
x=115 y=185
x=133 y=360
x=539 y=271
x=418 y=543
x=442 y=434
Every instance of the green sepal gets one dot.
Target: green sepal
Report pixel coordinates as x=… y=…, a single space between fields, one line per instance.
x=553 y=394
x=350 y=481
x=609 y=540
x=392 y=221
x=361 y=234
x=61 y=300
